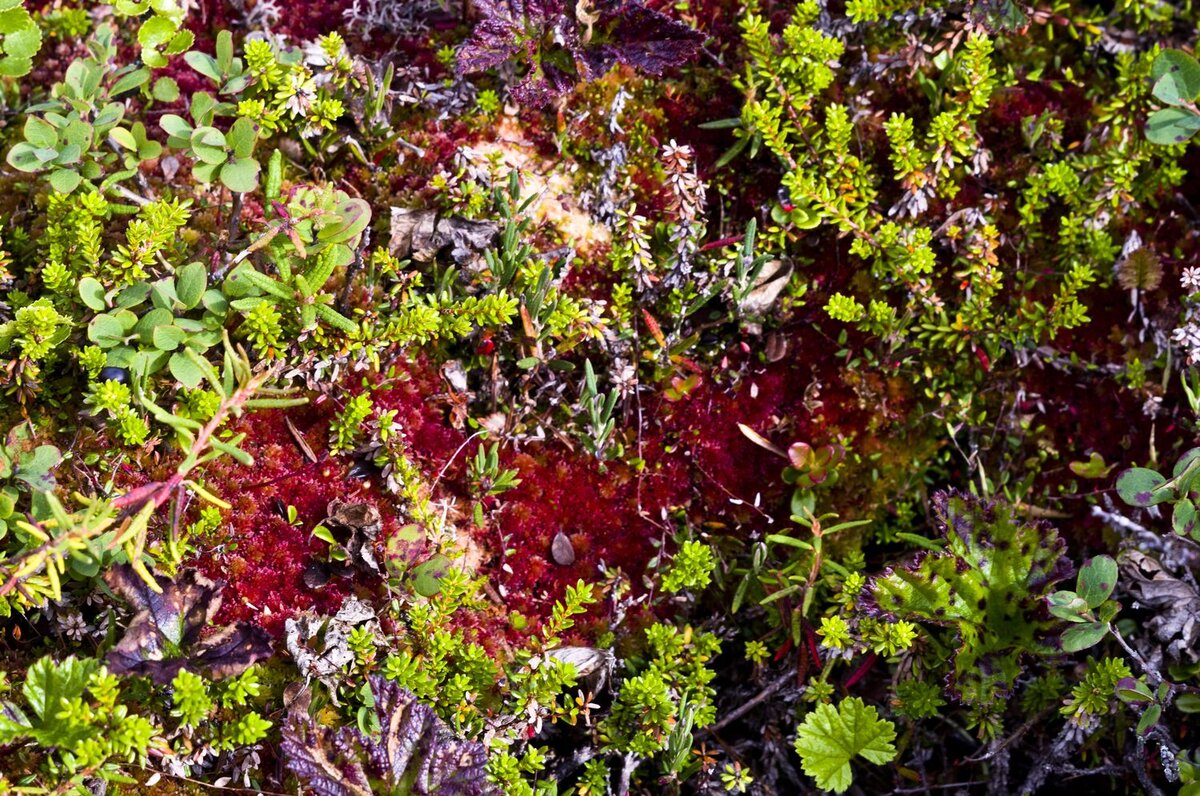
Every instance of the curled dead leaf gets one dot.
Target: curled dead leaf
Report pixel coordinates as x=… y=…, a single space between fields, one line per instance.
x=1176 y=623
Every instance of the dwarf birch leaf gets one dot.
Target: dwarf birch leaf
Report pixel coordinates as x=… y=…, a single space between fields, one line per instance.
x=831 y=737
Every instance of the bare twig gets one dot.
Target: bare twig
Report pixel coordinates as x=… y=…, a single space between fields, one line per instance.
x=746 y=707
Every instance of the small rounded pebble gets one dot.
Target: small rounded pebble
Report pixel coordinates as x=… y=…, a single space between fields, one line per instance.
x=561 y=550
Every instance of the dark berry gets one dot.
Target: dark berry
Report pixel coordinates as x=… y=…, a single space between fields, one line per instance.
x=114 y=374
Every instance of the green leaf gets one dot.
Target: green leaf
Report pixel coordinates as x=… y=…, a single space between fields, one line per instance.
x=48 y=683
x=335 y=319
x=240 y=175
x=191 y=281
x=427 y=576
x=1096 y=580
x=1094 y=467
x=106 y=331
x=24 y=42
x=185 y=371
x=209 y=145
x=1149 y=718
x=1139 y=486
x=831 y=737
x=65 y=180
x=353 y=216
x=1171 y=126
x=27 y=157
x=233 y=451
x=156 y=31
x=123 y=138
x=1067 y=605
x=242 y=137
x=180 y=42
x=203 y=106
x=990 y=585
x=1080 y=637
x=1183 y=517
x=1176 y=77
x=129 y=82
x=224 y=49
x=175 y=126
x=15 y=67
x=168 y=338
x=92 y=293
x=205 y=64
x=40 y=132
x=165 y=90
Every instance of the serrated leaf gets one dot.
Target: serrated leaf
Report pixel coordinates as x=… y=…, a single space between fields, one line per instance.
x=989 y=585
x=165 y=90
x=830 y=738
x=156 y=31
x=413 y=752
x=168 y=632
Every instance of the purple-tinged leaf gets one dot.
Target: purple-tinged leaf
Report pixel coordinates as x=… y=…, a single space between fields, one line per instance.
x=167 y=632
x=413 y=754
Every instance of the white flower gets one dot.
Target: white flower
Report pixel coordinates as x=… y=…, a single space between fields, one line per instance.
x=1191 y=279
x=73 y=626
x=1187 y=336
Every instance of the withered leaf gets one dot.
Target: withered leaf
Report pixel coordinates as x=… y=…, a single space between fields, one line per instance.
x=358 y=524
x=1176 y=625
x=320 y=644
x=771 y=281
x=422 y=236
x=167 y=632
x=413 y=752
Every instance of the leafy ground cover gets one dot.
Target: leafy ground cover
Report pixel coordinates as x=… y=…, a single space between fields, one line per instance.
x=420 y=397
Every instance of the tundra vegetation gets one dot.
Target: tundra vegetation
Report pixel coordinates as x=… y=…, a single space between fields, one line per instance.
x=556 y=398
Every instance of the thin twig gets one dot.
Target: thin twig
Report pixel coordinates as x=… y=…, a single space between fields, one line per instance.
x=752 y=704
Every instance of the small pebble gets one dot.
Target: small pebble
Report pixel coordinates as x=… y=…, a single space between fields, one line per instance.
x=562 y=551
